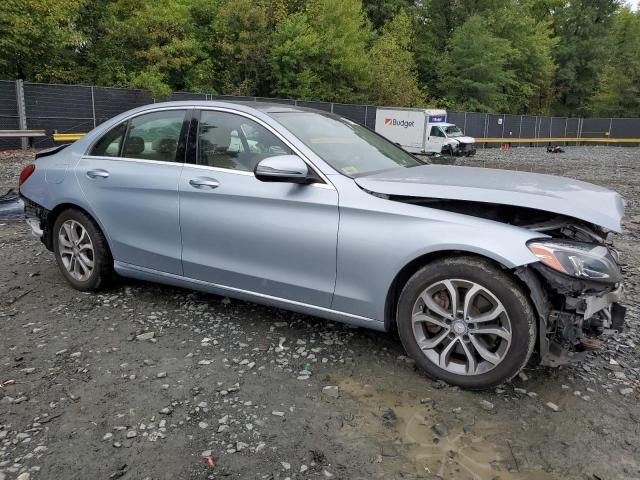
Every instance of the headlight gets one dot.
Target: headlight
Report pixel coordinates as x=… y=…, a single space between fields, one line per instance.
x=581 y=260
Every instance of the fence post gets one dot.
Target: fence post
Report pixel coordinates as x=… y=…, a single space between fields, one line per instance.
x=22 y=112
x=93 y=107
x=520 y=129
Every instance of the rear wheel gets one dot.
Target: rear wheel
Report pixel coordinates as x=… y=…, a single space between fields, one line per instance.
x=81 y=251
x=466 y=322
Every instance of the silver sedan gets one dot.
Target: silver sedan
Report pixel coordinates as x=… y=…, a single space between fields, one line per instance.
x=308 y=211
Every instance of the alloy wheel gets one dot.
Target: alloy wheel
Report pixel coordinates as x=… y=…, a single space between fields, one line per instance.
x=461 y=327
x=76 y=250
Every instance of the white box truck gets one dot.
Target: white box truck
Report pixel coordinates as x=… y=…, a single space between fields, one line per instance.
x=423 y=131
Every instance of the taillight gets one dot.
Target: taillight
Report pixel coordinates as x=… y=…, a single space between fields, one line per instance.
x=26 y=173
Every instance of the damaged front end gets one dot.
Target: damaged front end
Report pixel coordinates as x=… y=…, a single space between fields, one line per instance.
x=576 y=288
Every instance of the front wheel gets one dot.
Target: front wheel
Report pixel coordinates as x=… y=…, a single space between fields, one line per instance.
x=466 y=322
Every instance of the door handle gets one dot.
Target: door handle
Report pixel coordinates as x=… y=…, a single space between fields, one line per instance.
x=204 y=183
x=98 y=173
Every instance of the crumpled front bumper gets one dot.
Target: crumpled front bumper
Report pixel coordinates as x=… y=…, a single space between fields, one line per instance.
x=571 y=315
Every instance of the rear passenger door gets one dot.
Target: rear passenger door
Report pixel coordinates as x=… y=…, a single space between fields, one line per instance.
x=130 y=180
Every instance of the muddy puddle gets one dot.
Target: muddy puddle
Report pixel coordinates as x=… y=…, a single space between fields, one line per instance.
x=447 y=443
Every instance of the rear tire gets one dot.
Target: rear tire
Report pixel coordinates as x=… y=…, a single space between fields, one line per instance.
x=81 y=251
x=446 y=342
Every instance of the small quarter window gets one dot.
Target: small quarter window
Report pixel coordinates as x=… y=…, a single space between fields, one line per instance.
x=109 y=144
x=154 y=136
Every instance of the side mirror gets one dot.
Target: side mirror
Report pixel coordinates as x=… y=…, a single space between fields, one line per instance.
x=282 y=168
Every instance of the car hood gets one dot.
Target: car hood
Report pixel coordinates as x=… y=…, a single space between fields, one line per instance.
x=560 y=195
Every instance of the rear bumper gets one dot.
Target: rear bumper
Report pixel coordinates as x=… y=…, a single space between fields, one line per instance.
x=36 y=217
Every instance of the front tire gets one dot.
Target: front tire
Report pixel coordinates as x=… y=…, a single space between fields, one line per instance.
x=465 y=321
x=81 y=251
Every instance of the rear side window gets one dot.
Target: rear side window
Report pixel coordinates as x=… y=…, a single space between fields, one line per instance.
x=109 y=144
x=154 y=136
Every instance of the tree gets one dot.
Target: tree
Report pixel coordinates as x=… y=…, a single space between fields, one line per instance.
x=475 y=72
x=381 y=12
x=343 y=62
x=244 y=37
x=393 y=69
x=146 y=44
x=295 y=51
x=37 y=39
x=581 y=26
x=530 y=61
x=618 y=86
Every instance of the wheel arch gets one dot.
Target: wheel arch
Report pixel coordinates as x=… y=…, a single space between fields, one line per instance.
x=53 y=215
x=407 y=271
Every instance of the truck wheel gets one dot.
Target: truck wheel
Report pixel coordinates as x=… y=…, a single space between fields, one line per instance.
x=466 y=322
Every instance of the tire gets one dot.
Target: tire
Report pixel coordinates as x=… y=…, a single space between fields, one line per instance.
x=425 y=329
x=91 y=250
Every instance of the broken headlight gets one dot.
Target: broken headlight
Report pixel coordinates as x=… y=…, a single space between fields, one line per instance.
x=578 y=259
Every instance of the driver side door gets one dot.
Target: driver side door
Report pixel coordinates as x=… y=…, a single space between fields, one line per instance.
x=435 y=140
x=268 y=238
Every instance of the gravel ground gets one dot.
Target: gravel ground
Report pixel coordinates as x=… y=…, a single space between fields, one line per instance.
x=149 y=382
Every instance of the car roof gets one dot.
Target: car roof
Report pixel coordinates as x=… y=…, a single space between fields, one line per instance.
x=265 y=107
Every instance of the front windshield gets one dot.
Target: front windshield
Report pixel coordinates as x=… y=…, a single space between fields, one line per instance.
x=346 y=146
x=453 y=131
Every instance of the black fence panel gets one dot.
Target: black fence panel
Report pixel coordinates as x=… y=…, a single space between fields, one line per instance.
x=595 y=127
x=457 y=118
x=475 y=124
x=8 y=101
x=326 y=106
x=8 y=113
x=511 y=126
x=527 y=127
x=357 y=113
x=110 y=102
x=371 y=117
x=558 y=126
x=78 y=108
x=58 y=101
x=186 y=96
x=625 y=128
x=233 y=98
x=282 y=101
x=495 y=126
x=544 y=127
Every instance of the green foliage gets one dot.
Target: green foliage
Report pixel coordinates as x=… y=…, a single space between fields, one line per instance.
x=344 y=34
x=582 y=27
x=295 y=51
x=37 y=38
x=512 y=56
x=476 y=72
x=618 y=87
x=393 y=69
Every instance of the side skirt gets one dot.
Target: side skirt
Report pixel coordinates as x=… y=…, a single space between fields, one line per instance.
x=147 y=274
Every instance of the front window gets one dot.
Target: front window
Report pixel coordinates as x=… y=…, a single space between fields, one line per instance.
x=227 y=140
x=453 y=131
x=348 y=147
